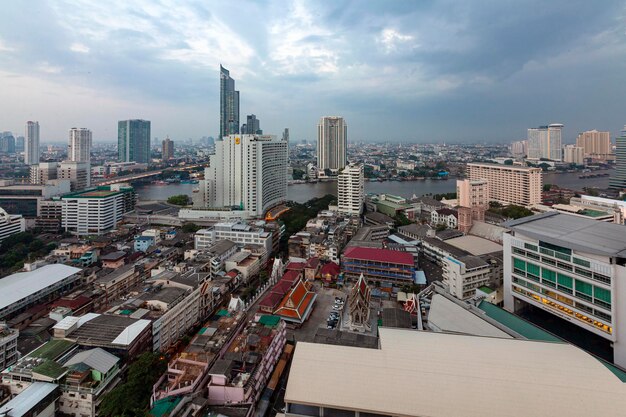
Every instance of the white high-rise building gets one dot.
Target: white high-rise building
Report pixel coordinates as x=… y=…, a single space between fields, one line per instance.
x=79 y=146
x=31 y=144
x=332 y=143
x=78 y=173
x=545 y=142
x=574 y=154
x=351 y=189
x=247 y=173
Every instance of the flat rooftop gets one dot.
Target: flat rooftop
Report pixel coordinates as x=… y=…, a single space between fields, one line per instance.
x=475 y=245
x=574 y=232
x=418 y=373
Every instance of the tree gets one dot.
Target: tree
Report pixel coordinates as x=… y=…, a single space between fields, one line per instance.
x=547 y=187
x=508 y=162
x=298 y=174
x=179 y=200
x=441 y=227
x=190 y=228
x=401 y=220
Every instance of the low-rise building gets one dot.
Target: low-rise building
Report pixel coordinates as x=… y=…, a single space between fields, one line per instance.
x=236 y=231
x=379 y=265
x=8 y=346
x=119 y=282
x=38 y=400
x=142 y=243
x=445 y=216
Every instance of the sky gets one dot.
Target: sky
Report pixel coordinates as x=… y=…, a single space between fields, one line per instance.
x=410 y=71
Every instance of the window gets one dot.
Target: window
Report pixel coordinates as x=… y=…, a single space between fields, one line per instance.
x=533 y=269
x=584 y=290
x=564 y=280
x=334 y=412
x=582 y=262
x=602 y=296
x=555 y=248
x=548 y=275
x=530 y=247
x=519 y=264
x=305 y=410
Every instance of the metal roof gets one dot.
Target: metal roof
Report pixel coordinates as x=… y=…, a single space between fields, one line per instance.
x=20 y=285
x=574 y=232
x=98 y=359
x=28 y=399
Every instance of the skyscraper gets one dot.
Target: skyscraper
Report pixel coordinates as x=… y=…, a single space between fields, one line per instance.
x=7 y=142
x=79 y=146
x=351 y=189
x=247 y=172
x=31 y=143
x=133 y=141
x=252 y=126
x=167 y=149
x=618 y=180
x=545 y=142
x=332 y=143
x=595 y=144
x=229 y=104
x=19 y=144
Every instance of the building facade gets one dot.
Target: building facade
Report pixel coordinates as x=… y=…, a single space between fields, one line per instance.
x=237 y=232
x=332 y=143
x=77 y=173
x=252 y=126
x=351 y=190
x=7 y=143
x=378 y=265
x=229 y=105
x=618 y=180
x=79 y=146
x=473 y=198
x=595 y=144
x=508 y=183
x=574 y=154
x=167 y=149
x=545 y=142
x=133 y=141
x=31 y=143
x=10 y=224
x=8 y=346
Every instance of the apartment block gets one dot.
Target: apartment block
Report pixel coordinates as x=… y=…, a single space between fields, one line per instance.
x=508 y=183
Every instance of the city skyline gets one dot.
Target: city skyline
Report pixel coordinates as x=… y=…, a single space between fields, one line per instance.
x=465 y=75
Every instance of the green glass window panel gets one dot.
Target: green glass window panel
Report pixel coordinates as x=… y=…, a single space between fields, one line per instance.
x=531 y=247
x=602 y=294
x=584 y=287
x=555 y=248
x=519 y=264
x=548 y=275
x=582 y=262
x=564 y=280
x=533 y=269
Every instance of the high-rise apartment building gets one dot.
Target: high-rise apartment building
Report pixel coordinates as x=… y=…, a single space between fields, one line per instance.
x=519 y=148
x=573 y=155
x=595 y=144
x=509 y=183
x=351 y=189
x=19 y=144
x=252 y=126
x=229 y=104
x=167 y=149
x=618 y=180
x=7 y=142
x=31 y=143
x=332 y=143
x=79 y=146
x=133 y=141
x=247 y=173
x=545 y=142
x=571 y=267
x=473 y=198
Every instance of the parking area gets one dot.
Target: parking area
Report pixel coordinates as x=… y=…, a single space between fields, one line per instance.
x=319 y=316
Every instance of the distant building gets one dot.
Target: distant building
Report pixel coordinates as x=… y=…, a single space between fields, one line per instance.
x=332 y=143
x=10 y=224
x=79 y=146
x=133 y=141
x=235 y=231
x=252 y=126
x=618 y=180
x=508 y=183
x=574 y=155
x=27 y=199
x=167 y=149
x=77 y=173
x=519 y=148
x=595 y=144
x=351 y=190
x=445 y=216
x=8 y=346
x=31 y=144
x=544 y=142
x=19 y=144
x=7 y=143
x=473 y=199
x=229 y=105
x=382 y=265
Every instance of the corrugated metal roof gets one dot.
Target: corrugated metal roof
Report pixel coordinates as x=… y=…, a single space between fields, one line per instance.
x=98 y=359
x=27 y=399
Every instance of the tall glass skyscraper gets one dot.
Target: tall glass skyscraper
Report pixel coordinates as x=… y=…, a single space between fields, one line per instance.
x=229 y=104
x=618 y=180
x=332 y=143
x=133 y=141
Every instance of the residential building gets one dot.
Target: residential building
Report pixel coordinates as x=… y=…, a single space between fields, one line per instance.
x=7 y=143
x=237 y=231
x=10 y=224
x=8 y=346
x=544 y=142
x=460 y=368
x=473 y=200
x=117 y=283
x=77 y=173
x=43 y=172
x=229 y=105
x=252 y=126
x=571 y=267
x=246 y=262
x=31 y=144
x=463 y=275
x=332 y=144
x=351 y=190
x=98 y=210
x=596 y=145
x=167 y=151
x=142 y=243
x=519 y=148
x=508 y=183
x=22 y=290
x=378 y=265
x=444 y=216
x=133 y=141
x=574 y=155
x=618 y=179
x=247 y=173
x=79 y=146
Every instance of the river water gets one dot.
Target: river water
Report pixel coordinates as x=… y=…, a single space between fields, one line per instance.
x=304 y=192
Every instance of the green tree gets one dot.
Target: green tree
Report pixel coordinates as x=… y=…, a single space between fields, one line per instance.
x=401 y=220
x=508 y=162
x=179 y=200
x=298 y=174
x=547 y=187
x=190 y=228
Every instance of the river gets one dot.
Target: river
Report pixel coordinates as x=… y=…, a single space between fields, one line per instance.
x=304 y=192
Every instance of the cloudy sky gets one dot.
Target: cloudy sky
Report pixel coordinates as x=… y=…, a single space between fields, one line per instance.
x=422 y=71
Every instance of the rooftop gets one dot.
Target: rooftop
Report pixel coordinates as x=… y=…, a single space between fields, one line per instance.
x=577 y=233
x=109 y=330
x=379 y=255
x=544 y=379
x=501 y=166
x=23 y=404
x=475 y=245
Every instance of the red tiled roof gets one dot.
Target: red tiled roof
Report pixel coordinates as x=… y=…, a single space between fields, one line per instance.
x=296 y=303
x=271 y=300
x=290 y=276
x=282 y=287
x=379 y=255
x=330 y=268
x=74 y=304
x=313 y=263
x=232 y=273
x=296 y=266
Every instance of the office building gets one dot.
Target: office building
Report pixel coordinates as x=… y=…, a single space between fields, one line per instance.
x=596 y=145
x=378 y=265
x=31 y=143
x=229 y=105
x=286 y=135
x=544 y=142
x=133 y=141
x=10 y=224
x=442 y=375
x=247 y=173
x=77 y=173
x=571 y=267
x=98 y=210
x=618 y=180
x=79 y=146
x=167 y=151
x=252 y=126
x=19 y=144
x=350 y=190
x=235 y=231
x=332 y=143
x=43 y=172
x=26 y=199
x=509 y=184
x=7 y=143
x=519 y=148
x=574 y=155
